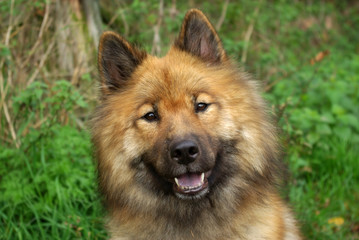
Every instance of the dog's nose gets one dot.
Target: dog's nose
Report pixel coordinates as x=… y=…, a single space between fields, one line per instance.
x=184 y=152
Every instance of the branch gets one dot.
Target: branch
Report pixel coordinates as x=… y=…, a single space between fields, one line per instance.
x=3 y=92
x=249 y=34
x=42 y=28
x=41 y=64
x=156 y=47
x=223 y=16
x=173 y=10
x=123 y=18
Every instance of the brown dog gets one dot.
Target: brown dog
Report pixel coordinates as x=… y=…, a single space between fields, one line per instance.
x=184 y=145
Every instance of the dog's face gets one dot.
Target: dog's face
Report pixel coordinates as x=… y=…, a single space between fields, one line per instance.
x=180 y=125
x=173 y=118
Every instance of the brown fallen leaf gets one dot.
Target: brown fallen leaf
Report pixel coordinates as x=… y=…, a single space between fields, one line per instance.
x=355 y=228
x=326 y=203
x=319 y=57
x=306 y=169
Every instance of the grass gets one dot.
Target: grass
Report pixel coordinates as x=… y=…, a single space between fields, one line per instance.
x=305 y=53
x=51 y=194
x=328 y=190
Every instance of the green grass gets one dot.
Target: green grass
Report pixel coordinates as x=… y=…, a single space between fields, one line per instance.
x=51 y=194
x=327 y=189
x=48 y=185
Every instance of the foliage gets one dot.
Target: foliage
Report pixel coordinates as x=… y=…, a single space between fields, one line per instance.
x=48 y=184
x=304 y=52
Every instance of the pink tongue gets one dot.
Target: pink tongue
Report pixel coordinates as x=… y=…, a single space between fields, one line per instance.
x=189 y=179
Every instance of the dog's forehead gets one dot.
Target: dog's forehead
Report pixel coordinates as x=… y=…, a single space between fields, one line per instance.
x=170 y=78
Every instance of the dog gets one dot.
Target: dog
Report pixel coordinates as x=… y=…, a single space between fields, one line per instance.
x=184 y=145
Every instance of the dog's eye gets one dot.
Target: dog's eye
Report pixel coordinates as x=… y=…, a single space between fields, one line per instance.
x=200 y=107
x=150 y=117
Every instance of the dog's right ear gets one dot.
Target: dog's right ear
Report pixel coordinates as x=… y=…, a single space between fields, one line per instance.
x=117 y=60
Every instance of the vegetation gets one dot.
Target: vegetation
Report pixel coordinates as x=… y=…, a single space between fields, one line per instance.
x=306 y=54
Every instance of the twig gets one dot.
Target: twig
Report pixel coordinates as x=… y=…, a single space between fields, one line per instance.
x=3 y=90
x=249 y=34
x=8 y=32
x=123 y=18
x=5 y=139
x=39 y=38
x=80 y=123
x=41 y=64
x=8 y=118
x=173 y=10
x=77 y=72
x=6 y=111
x=223 y=16
x=281 y=110
x=156 y=47
x=112 y=20
x=269 y=86
x=125 y=24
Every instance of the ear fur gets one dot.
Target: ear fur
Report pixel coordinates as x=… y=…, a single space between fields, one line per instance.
x=198 y=37
x=117 y=59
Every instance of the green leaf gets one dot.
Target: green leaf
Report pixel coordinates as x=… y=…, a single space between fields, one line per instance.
x=342 y=132
x=338 y=110
x=323 y=129
x=312 y=138
x=350 y=120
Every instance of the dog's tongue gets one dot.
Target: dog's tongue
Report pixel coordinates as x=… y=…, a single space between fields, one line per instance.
x=190 y=180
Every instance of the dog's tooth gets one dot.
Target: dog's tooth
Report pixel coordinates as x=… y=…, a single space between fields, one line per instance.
x=176 y=180
x=202 y=177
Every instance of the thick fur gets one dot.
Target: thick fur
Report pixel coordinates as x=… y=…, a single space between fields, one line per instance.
x=237 y=141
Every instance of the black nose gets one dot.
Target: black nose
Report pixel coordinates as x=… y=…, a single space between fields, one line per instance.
x=184 y=152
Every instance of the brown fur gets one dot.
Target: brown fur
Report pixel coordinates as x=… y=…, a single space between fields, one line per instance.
x=237 y=142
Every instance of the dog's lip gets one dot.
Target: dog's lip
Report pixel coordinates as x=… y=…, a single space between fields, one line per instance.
x=191 y=183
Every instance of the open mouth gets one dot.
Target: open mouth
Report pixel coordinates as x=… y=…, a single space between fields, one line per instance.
x=191 y=184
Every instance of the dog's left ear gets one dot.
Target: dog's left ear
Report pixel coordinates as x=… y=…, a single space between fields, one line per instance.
x=199 y=38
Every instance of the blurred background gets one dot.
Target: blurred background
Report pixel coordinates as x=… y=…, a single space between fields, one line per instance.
x=305 y=54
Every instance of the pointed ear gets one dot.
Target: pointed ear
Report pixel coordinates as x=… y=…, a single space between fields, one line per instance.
x=117 y=60
x=199 y=38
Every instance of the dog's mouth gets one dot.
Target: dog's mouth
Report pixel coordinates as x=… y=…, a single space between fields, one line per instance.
x=191 y=185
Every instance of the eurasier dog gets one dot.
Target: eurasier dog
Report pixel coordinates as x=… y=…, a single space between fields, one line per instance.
x=184 y=146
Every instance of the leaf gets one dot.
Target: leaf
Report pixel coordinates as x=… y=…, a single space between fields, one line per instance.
x=355 y=228
x=338 y=221
x=323 y=129
x=4 y=50
x=338 y=110
x=312 y=138
x=327 y=118
x=350 y=119
x=343 y=132
x=307 y=169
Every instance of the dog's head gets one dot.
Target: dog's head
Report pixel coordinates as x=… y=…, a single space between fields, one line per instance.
x=182 y=125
